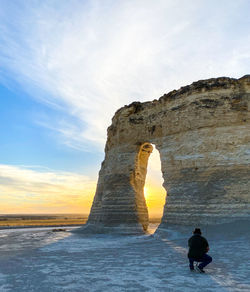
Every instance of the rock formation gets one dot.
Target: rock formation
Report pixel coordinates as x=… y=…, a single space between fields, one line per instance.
x=202 y=132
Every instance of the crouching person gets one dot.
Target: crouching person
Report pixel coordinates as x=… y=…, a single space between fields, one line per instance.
x=198 y=248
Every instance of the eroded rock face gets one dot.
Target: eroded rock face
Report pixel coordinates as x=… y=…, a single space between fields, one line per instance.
x=202 y=132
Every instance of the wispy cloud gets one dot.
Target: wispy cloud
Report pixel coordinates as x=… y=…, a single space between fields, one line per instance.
x=88 y=58
x=35 y=189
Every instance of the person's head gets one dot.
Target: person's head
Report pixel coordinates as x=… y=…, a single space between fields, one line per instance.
x=197 y=231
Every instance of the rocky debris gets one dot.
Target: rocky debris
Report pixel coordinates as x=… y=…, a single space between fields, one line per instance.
x=59 y=230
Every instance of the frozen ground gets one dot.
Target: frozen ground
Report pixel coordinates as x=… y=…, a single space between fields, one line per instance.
x=42 y=260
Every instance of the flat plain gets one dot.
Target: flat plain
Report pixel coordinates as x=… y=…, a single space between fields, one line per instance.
x=40 y=260
x=24 y=220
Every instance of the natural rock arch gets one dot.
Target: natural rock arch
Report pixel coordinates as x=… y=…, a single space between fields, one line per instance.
x=202 y=132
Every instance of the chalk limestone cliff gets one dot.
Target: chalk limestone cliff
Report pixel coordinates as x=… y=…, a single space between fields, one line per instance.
x=202 y=132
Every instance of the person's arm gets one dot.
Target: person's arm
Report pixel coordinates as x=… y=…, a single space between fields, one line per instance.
x=206 y=245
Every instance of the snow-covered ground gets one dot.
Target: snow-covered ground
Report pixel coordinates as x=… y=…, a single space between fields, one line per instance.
x=42 y=260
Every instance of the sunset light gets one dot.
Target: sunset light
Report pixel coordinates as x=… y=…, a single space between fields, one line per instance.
x=124 y=145
x=154 y=192
x=62 y=81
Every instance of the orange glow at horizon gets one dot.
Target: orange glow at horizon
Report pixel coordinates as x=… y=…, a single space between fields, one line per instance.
x=34 y=191
x=154 y=192
x=59 y=204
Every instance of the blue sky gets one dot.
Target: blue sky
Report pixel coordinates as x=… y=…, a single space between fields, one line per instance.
x=67 y=66
x=24 y=140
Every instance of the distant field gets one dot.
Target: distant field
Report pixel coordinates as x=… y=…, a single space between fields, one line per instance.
x=48 y=220
x=42 y=220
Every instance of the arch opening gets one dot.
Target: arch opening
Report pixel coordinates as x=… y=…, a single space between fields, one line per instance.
x=154 y=192
x=149 y=189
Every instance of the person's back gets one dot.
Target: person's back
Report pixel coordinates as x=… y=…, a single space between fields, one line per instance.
x=198 y=247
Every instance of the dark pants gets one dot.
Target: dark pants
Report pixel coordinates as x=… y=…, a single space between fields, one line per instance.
x=204 y=261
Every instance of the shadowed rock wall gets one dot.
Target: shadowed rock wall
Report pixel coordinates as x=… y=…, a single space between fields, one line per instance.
x=202 y=132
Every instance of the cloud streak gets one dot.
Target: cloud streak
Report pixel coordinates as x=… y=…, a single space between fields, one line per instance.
x=88 y=58
x=39 y=190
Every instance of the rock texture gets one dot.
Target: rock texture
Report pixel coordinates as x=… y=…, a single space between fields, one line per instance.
x=202 y=132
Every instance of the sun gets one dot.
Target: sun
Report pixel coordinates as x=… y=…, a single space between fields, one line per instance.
x=146 y=193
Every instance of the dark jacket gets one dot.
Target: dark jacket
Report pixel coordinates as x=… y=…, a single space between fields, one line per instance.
x=198 y=246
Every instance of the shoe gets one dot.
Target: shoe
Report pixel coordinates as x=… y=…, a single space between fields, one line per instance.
x=200 y=270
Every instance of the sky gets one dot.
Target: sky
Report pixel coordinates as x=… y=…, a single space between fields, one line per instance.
x=67 y=66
